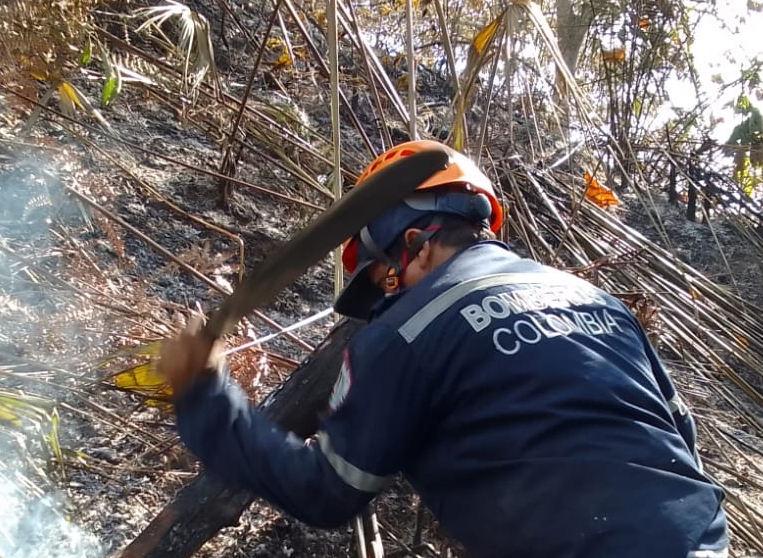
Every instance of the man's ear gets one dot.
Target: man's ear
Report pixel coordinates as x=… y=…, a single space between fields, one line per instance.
x=410 y=236
x=424 y=251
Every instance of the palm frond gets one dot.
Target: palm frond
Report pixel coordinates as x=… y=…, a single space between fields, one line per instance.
x=31 y=415
x=193 y=42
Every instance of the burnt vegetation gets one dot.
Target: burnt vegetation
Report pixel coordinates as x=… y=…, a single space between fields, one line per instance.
x=151 y=153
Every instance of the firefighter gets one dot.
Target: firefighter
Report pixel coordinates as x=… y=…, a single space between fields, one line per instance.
x=526 y=407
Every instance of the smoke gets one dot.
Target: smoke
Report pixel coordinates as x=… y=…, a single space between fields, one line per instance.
x=34 y=525
x=35 y=517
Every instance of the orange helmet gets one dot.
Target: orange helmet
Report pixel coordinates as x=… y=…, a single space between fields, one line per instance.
x=460 y=189
x=461 y=172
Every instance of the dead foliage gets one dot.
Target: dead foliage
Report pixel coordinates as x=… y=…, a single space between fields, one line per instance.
x=269 y=146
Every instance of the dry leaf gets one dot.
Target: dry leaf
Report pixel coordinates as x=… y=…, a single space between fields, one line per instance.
x=68 y=99
x=598 y=194
x=613 y=56
x=742 y=341
x=695 y=294
x=485 y=36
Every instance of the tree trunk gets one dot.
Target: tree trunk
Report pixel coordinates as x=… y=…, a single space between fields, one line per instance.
x=572 y=28
x=203 y=507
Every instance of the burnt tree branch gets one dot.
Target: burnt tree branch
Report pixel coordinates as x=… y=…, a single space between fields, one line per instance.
x=203 y=507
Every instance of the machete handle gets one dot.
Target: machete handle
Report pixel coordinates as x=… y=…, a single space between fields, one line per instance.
x=340 y=221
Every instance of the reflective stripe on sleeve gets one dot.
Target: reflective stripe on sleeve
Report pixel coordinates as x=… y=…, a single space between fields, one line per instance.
x=417 y=323
x=677 y=405
x=723 y=553
x=349 y=473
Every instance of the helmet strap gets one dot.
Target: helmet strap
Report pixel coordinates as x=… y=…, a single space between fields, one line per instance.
x=395 y=271
x=369 y=244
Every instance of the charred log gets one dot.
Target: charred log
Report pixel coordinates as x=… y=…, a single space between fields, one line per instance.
x=203 y=507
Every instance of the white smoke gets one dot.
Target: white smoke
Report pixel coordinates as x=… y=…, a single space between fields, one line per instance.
x=34 y=525
x=36 y=518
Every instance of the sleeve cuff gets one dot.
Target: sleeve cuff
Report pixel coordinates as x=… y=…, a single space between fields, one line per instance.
x=208 y=383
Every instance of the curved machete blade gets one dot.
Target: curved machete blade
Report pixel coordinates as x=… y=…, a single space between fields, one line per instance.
x=380 y=192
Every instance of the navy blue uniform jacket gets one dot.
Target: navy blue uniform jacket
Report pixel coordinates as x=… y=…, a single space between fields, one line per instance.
x=525 y=406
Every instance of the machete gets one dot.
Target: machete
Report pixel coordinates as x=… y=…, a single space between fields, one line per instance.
x=343 y=219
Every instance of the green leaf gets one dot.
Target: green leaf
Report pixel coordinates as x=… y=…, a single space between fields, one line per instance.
x=113 y=85
x=110 y=91
x=743 y=104
x=52 y=437
x=87 y=54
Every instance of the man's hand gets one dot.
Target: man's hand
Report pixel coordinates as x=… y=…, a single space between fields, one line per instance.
x=188 y=356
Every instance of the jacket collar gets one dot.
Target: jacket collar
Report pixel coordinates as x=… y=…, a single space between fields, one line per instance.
x=387 y=301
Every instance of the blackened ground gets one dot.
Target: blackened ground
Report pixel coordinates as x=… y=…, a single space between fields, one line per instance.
x=75 y=287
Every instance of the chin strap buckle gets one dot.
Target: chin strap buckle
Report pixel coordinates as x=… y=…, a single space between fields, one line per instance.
x=392 y=280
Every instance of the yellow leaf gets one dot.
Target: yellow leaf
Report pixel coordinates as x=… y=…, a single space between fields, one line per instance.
x=598 y=194
x=283 y=60
x=8 y=416
x=68 y=99
x=68 y=90
x=485 y=37
x=144 y=378
x=275 y=42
